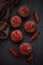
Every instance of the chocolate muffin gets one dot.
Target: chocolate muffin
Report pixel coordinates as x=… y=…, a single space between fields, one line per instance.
x=30 y=26
x=16 y=35
x=16 y=21
x=24 y=11
x=25 y=48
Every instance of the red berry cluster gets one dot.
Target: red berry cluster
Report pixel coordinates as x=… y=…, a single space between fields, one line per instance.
x=29 y=26
x=14 y=52
x=36 y=17
x=30 y=58
x=16 y=36
x=35 y=35
x=24 y=48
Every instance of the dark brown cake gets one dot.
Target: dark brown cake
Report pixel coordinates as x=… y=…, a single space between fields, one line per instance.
x=24 y=11
x=25 y=48
x=16 y=21
x=16 y=35
x=30 y=26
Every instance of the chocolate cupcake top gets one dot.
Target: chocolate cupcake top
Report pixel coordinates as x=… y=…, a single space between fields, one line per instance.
x=24 y=11
x=30 y=26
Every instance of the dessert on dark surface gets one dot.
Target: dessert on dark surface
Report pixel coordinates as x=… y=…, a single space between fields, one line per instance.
x=25 y=48
x=16 y=21
x=16 y=35
x=30 y=26
x=6 y=8
x=24 y=11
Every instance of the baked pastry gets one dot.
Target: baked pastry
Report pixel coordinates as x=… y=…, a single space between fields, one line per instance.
x=24 y=11
x=25 y=48
x=30 y=26
x=16 y=35
x=16 y=21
